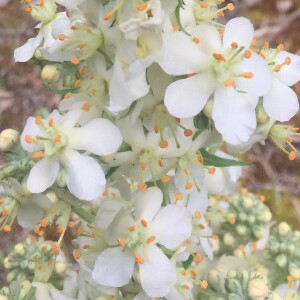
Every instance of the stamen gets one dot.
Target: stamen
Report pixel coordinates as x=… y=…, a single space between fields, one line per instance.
x=188 y=185
x=163 y=144
x=219 y=56
x=121 y=242
x=144 y=222
x=234 y=45
x=55 y=248
x=197 y=258
x=196 y=40
x=38 y=120
x=141 y=7
x=248 y=75
x=38 y=155
x=57 y=139
x=7 y=228
x=85 y=107
x=77 y=83
x=76 y=254
x=229 y=82
x=178 y=196
x=108 y=16
x=188 y=132
x=74 y=60
x=231 y=220
x=61 y=37
x=51 y=122
x=142 y=186
x=151 y=239
x=28 y=139
x=139 y=259
x=186 y=287
x=204 y=284
x=292 y=155
x=248 y=53
x=197 y=214
x=68 y=96
x=131 y=228
x=280 y=47
x=165 y=179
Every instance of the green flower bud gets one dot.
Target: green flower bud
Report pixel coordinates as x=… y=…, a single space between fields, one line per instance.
x=281 y=261
x=228 y=239
x=283 y=228
x=258 y=289
x=233 y=286
x=8 y=138
x=50 y=74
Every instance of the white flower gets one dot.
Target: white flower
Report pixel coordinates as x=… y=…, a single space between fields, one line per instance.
x=225 y=69
x=281 y=103
x=27 y=208
x=51 y=25
x=57 y=142
x=134 y=241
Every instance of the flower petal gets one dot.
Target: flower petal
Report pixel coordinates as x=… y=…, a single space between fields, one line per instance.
x=25 y=52
x=148 y=204
x=281 y=103
x=42 y=175
x=157 y=273
x=85 y=177
x=180 y=55
x=210 y=39
x=29 y=215
x=172 y=226
x=99 y=136
x=289 y=74
x=186 y=97
x=33 y=130
x=198 y=201
x=261 y=82
x=234 y=115
x=114 y=267
x=239 y=30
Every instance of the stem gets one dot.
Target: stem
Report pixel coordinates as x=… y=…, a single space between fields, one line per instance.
x=83 y=214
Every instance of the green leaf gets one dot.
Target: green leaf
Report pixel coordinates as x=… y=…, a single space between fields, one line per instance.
x=186 y=264
x=216 y=161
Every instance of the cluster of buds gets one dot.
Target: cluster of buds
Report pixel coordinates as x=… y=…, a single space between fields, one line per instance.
x=282 y=253
x=18 y=291
x=27 y=259
x=237 y=285
x=245 y=221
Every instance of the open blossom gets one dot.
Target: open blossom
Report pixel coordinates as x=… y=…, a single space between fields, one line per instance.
x=281 y=102
x=56 y=142
x=224 y=69
x=133 y=240
x=51 y=23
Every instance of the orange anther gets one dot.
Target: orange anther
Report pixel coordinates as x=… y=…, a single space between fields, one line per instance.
x=248 y=75
x=266 y=46
x=144 y=222
x=61 y=37
x=234 y=45
x=287 y=60
x=193 y=272
x=28 y=139
x=85 y=106
x=196 y=40
x=139 y=259
x=86 y=246
x=38 y=155
x=60 y=230
x=79 y=230
x=186 y=287
x=189 y=242
x=36 y=229
x=211 y=171
x=74 y=60
x=151 y=239
x=277 y=69
x=42 y=3
x=82 y=71
x=93 y=234
x=163 y=144
x=229 y=82
x=120 y=242
x=231 y=220
x=214 y=237
x=204 y=284
x=292 y=155
x=203 y=5
x=73 y=27
x=55 y=248
x=108 y=16
x=248 y=53
x=6 y=228
x=142 y=186
x=131 y=228
x=160 y=163
x=188 y=132
x=280 y=47
x=197 y=214
x=57 y=139
x=230 y=6
x=178 y=196
x=289 y=139
x=68 y=96
x=27 y=1
x=165 y=179
x=71 y=224
x=38 y=120
x=51 y=122
x=43 y=223
x=28 y=9
x=219 y=56
x=141 y=7
x=197 y=258
x=188 y=185
x=76 y=254
x=77 y=83
x=4 y=212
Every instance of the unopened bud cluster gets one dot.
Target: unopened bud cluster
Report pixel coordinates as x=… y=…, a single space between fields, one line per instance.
x=22 y=290
x=245 y=221
x=282 y=252
x=237 y=285
x=26 y=258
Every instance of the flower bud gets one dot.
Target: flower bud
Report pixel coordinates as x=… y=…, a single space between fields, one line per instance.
x=228 y=239
x=283 y=228
x=19 y=249
x=281 y=261
x=258 y=289
x=261 y=115
x=52 y=197
x=61 y=178
x=8 y=139
x=234 y=286
x=247 y=202
x=294 y=271
x=50 y=74
x=214 y=280
x=60 y=267
x=259 y=232
x=208 y=108
x=38 y=54
x=241 y=229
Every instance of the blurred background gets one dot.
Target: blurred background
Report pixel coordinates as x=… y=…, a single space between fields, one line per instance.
x=272 y=175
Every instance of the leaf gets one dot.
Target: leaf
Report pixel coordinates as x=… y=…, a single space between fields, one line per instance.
x=216 y=161
x=186 y=264
x=177 y=15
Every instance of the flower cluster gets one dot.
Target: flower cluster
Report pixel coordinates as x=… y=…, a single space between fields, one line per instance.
x=154 y=94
